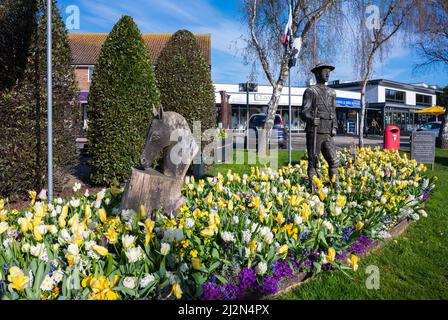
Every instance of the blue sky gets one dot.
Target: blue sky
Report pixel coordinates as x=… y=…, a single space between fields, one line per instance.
x=221 y=18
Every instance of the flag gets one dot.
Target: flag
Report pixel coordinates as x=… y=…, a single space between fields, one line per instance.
x=288 y=29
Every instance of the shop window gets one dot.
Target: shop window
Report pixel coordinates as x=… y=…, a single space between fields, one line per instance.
x=395 y=96
x=90 y=73
x=423 y=100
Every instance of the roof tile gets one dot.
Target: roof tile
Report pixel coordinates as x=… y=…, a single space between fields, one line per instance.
x=86 y=47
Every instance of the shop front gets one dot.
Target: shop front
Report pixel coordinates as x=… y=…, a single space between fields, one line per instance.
x=347 y=114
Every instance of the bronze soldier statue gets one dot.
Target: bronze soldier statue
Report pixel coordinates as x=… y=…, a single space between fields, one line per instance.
x=319 y=113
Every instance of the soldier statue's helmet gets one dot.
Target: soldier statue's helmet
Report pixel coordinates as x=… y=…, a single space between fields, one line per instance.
x=322 y=66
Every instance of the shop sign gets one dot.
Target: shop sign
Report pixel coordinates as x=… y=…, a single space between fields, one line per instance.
x=348 y=103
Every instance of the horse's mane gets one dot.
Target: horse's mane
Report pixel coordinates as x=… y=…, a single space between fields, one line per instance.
x=175 y=121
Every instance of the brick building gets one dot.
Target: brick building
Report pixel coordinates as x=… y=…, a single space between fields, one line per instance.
x=86 y=48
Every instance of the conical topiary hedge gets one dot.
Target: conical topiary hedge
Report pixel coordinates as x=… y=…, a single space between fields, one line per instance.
x=122 y=95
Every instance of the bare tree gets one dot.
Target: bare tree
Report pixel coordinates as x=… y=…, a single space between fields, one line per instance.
x=266 y=20
x=373 y=37
x=432 y=39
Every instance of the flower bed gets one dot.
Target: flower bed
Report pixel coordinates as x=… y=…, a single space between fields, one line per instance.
x=236 y=235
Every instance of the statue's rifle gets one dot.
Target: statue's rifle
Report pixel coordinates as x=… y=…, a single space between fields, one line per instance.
x=315 y=155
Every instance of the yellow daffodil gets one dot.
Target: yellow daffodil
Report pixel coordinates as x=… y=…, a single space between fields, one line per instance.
x=33 y=195
x=111 y=235
x=17 y=279
x=331 y=254
x=149 y=228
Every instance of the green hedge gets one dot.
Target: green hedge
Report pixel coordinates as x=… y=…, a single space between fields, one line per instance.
x=23 y=114
x=122 y=94
x=184 y=80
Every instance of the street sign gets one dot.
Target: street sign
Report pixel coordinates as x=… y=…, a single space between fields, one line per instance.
x=423 y=147
x=248 y=87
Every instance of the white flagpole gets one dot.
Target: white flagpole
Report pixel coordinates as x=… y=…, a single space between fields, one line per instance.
x=49 y=102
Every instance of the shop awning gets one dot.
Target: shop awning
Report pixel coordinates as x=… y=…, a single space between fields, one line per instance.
x=434 y=110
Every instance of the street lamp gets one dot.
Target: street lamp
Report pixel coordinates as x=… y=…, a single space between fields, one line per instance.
x=49 y=102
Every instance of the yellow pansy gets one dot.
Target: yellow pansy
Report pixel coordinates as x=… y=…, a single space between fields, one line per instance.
x=194 y=253
x=17 y=279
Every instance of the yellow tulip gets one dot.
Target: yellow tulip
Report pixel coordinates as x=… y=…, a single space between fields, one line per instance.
x=207 y=232
x=2 y=204
x=213 y=219
x=359 y=225
x=88 y=213
x=17 y=279
x=37 y=235
x=63 y=215
x=280 y=201
x=283 y=250
x=230 y=205
x=71 y=259
x=142 y=211
x=177 y=290
x=3 y=227
x=353 y=262
x=102 y=214
x=209 y=199
x=331 y=254
x=100 y=250
x=196 y=263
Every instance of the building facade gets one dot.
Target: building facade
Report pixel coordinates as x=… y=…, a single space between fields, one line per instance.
x=390 y=102
x=235 y=105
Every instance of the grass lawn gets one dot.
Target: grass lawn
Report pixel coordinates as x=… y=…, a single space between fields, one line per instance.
x=413 y=266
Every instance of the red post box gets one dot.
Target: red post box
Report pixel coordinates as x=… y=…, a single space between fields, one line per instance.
x=392 y=138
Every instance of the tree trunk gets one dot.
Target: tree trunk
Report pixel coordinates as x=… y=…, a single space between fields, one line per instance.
x=364 y=82
x=443 y=135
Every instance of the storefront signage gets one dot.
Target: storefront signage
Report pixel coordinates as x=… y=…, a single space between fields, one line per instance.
x=262 y=97
x=348 y=103
x=423 y=147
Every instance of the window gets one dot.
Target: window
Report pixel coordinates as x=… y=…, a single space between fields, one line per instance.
x=395 y=96
x=423 y=100
x=90 y=73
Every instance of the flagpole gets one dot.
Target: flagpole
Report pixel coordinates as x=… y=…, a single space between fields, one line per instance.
x=289 y=117
x=49 y=102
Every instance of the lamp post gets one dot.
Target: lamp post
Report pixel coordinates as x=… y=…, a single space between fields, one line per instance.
x=49 y=102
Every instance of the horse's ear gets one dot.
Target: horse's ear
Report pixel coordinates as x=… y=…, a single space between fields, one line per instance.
x=161 y=112
x=155 y=113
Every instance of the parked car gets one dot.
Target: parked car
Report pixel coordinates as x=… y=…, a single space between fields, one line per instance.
x=433 y=127
x=257 y=121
